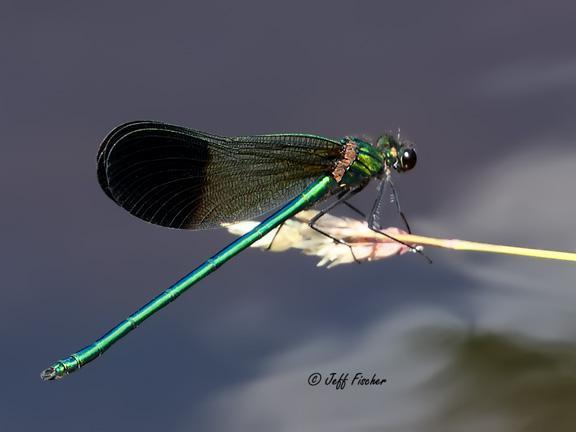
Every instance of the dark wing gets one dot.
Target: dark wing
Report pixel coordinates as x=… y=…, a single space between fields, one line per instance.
x=182 y=178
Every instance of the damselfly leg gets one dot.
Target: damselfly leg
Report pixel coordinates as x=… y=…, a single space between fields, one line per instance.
x=340 y=199
x=398 y=209
x=374 y=217
x=275 y=235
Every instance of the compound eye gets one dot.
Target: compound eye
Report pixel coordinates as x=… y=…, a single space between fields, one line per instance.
x=408 y=159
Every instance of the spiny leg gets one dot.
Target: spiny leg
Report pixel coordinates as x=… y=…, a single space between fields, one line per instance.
x=397 y=202
x=372 y=218
x=341 y=199
x=374 y=212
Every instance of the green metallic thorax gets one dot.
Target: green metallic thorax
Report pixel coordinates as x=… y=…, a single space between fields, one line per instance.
x=369 y=163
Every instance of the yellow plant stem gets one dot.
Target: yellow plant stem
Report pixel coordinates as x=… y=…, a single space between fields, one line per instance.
x=484 y=247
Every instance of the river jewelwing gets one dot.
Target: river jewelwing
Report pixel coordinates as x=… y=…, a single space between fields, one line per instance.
x=183 y=178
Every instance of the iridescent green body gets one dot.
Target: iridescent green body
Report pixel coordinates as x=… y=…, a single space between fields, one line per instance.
x=369 y=163
x=340 y=166
x=73 y=362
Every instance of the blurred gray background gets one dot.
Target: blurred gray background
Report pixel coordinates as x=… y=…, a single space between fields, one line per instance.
x=486 y=91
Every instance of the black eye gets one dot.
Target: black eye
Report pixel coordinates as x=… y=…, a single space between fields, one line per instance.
x=408 y=159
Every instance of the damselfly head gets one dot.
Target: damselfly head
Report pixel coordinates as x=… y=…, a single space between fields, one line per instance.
x=397 y=154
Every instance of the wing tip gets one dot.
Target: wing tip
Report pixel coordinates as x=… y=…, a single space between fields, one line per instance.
x=113 y=137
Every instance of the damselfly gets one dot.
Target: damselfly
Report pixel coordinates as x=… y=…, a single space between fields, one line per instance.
x=183 y=178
